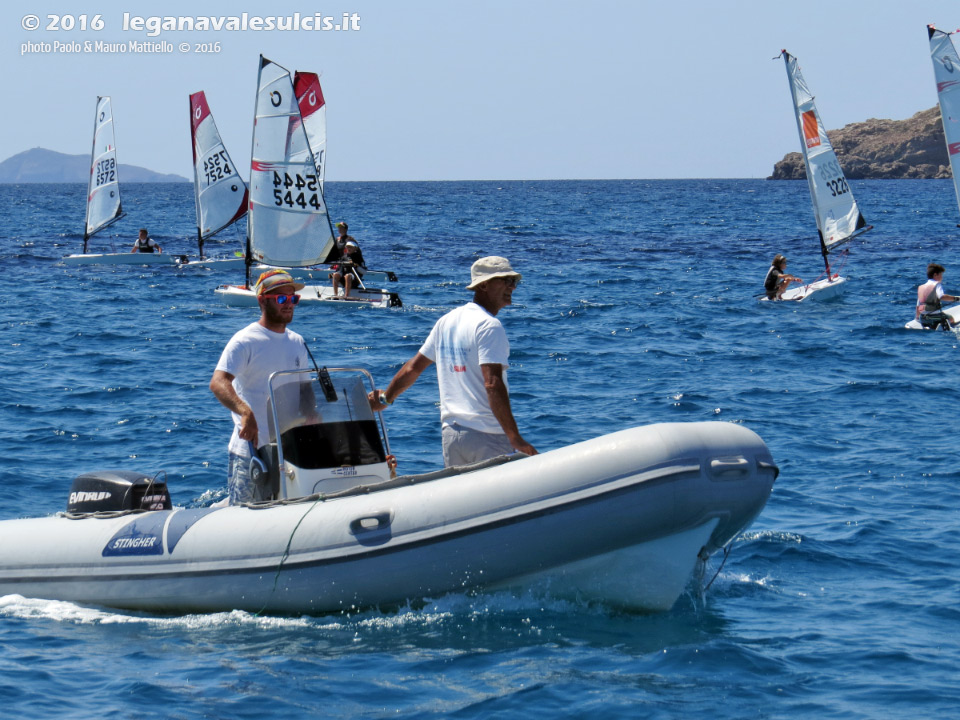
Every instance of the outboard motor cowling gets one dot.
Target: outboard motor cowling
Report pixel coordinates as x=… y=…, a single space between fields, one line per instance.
x=116 y=491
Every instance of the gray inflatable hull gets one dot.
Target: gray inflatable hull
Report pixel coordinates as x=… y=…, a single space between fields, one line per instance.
x=621 y=519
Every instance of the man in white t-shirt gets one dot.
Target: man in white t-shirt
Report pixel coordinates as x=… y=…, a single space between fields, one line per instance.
x=470 y=348
x=240 y=381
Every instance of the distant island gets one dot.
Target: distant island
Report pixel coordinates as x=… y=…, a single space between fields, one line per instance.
x=885 y=149
x=39 y=165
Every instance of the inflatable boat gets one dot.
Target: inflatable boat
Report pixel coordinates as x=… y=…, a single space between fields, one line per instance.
x=623 y=519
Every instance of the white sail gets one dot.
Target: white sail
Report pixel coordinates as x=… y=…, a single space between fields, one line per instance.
x=220 y=192
x=313 y=110
x=288 y=224
x=838 y=217
x=103 y=190
x=946 y=71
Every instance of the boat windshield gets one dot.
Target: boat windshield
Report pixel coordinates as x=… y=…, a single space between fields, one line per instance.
x=324 y=427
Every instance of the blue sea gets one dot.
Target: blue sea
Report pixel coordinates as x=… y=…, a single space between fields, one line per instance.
x=638 y=305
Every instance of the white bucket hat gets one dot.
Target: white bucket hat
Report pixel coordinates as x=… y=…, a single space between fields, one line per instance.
x=488 y=268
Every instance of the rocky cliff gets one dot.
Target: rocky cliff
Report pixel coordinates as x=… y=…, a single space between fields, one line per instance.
x=911 y=148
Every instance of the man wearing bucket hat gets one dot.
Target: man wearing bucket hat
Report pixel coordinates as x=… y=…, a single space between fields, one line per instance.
x=240 y=381
x=470 y=348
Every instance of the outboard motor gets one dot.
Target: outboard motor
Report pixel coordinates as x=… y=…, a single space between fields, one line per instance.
x=116 y=491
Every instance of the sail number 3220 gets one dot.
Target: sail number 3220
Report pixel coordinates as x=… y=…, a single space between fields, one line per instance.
x=296 y=191
x=838 y=186
x=832 y=176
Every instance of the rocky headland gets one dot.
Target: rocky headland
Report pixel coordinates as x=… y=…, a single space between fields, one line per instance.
x=887 y=149
x=40 y=165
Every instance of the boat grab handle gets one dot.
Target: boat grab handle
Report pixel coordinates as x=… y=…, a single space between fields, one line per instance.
x=729 y=467
x=371 y=523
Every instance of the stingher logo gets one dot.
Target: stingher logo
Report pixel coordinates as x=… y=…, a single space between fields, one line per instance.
x=134 y=543
x=143 y=536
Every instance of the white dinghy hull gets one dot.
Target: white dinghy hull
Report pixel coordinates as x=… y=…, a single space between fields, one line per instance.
x=304 y=274
x=236 y=296
x=622 y=518
x=127 y=258
x=824 y=289
x=953 y=311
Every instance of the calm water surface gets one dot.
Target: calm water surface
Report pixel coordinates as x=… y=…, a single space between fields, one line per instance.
x=637 y=306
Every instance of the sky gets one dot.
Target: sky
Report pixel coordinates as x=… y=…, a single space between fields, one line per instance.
x=481 y=90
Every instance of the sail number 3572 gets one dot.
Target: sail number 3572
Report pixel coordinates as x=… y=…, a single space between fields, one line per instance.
x=296 y=191
x=105 y=171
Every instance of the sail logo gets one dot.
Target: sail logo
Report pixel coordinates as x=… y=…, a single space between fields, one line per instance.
x=811 y=133
x=941 y=86
x=953 y=148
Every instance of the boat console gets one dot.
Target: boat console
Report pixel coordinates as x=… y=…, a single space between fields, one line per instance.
x=330 y=439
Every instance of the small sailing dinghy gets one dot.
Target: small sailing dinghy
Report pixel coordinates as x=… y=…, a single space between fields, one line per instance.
x=220 y=193
x=313 y=110
x=288 y=224
x=624 y=519
x=839 y=219
x=946 y=73
x=103 y=197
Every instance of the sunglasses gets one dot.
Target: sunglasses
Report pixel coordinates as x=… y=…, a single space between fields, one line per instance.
x=284 y=299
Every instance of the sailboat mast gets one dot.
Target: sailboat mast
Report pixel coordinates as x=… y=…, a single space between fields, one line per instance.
x=93 y=159
x=824 y=252
x=196 y=179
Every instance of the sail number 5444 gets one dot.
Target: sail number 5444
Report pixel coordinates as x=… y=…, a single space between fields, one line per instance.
x=296 y=191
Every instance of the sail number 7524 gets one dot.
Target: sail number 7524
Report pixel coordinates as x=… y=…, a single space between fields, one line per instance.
x=296 y=191
x=216 y=167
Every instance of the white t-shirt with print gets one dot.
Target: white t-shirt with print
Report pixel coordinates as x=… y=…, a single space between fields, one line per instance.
x=460 y=342
x=252 y=356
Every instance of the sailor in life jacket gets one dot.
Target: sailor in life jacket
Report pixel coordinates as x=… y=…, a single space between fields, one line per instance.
x=145 y=244
x=930 y=299
x=777 y=280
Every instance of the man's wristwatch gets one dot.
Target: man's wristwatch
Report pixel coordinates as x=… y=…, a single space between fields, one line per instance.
x=383 y=399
